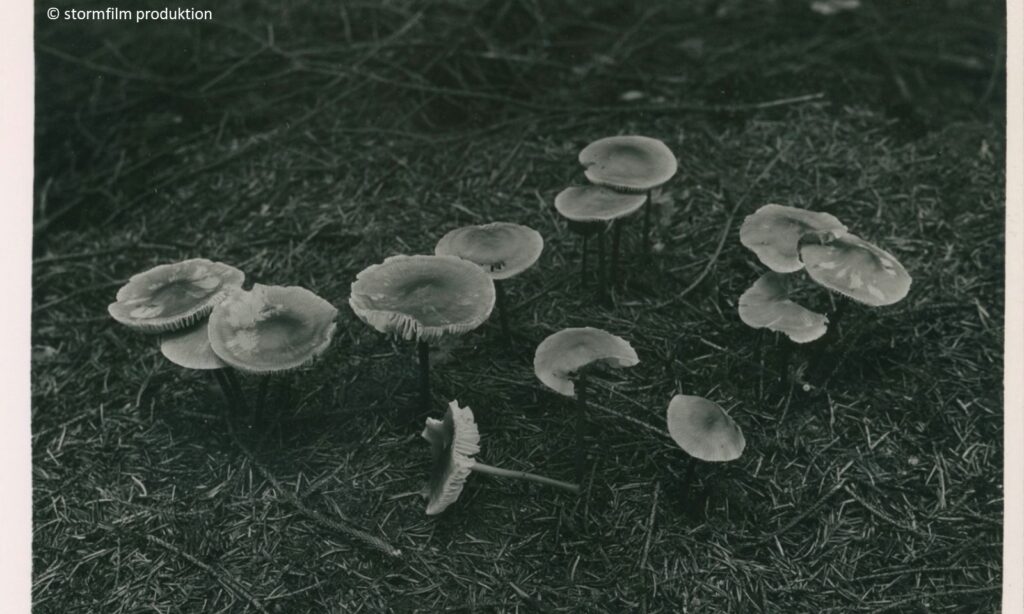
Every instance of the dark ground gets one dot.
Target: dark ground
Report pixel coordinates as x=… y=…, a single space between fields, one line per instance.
x=303 y=143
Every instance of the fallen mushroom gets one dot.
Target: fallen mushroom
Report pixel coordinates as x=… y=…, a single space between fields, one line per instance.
x=588 y=209
x=174 y=296
x=774 y=233
x=704 y=431
x=423 y=298
x=633 y=164
x=502 y=249
x=563 y=362
x=454 y=441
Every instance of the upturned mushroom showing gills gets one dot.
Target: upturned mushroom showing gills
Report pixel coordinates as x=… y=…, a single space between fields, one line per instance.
x=855 y=268
x=589 y=209
x=423 y=298
x=175 y=296
x=775 y=232
x=704 y=431
x=454 y=441
x=191 y=349
x=502 y=249
x=636 y=164
x=563 y=361
x=766 y=304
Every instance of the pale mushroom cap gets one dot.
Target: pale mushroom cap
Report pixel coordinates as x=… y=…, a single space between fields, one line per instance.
x=453 y=442
x=564 y=353
x=271 y=329
x=502 y=249
x=174 y=296
x=703 y=429
x=191 y=349
x=628 y=163
x=423 y=297
x=853 y=267
x=773 y=233
x=766 y=304
x=592 y=203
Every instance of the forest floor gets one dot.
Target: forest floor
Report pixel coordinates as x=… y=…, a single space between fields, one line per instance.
x=302 y=142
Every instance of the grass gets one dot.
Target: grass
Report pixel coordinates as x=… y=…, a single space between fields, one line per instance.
x=303 y=143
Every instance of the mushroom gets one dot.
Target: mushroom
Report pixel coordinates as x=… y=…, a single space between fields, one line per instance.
x=191 y=349
x=454 y=441
x=766 y=304
x=774 y=233
x=174 y=296
x=502 y=249
x=855 y=268
x=633 y=164
x=271 y=330
x=563 y=361
x=423 y=298
x=588 y=209
x=704 y=431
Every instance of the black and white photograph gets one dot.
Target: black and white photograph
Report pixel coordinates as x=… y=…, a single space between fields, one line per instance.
x=595 y=306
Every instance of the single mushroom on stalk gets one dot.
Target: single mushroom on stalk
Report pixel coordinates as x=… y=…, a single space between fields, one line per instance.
x=502 y=249
x=704 y=431
x=423 y=299
x=631 y=164
x=563 y=363
x=454 y=441
x=588 y=210
x=174 y=300
x=271 y=330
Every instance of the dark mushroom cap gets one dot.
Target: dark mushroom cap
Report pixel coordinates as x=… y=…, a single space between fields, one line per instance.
x=453 y=442
x=855 y=268
x=171 y=297
x=271 y=329
x=191 y=349
x=628 y=163
x=502 y=249
x=591 y=203
x=564 y=353
x=774 y=232
x=703 y=429
x=766 y=304
x=423 y=297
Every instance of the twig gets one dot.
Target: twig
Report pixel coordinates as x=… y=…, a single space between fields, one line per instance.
x=932 y=596
x=804 y=514
x=882 y=515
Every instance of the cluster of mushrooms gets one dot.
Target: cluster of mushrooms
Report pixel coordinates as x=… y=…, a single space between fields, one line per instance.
x=207 y=320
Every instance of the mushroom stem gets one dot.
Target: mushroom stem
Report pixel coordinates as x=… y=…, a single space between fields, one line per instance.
x=261 y=394
x=616 y=240
x=583 y=261
x=239 y=394
x=688 y=477
x=581 y=410
x=225 y=387
x=522 y=475
x=499 y=288
x=646 y=232
x=423 y=348
x=602 y=283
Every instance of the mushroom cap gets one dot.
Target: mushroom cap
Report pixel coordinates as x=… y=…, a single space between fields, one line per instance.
x=453 y=442
x=703 y=429
x=423 y=297
x=853 y=267
x=562 y=354
x=592 y=203
x=773 y=232
x=191 y=349
x=502 y=249
x=766 y=304
x=174 y=296
x=271 y=329
x=628 y=163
